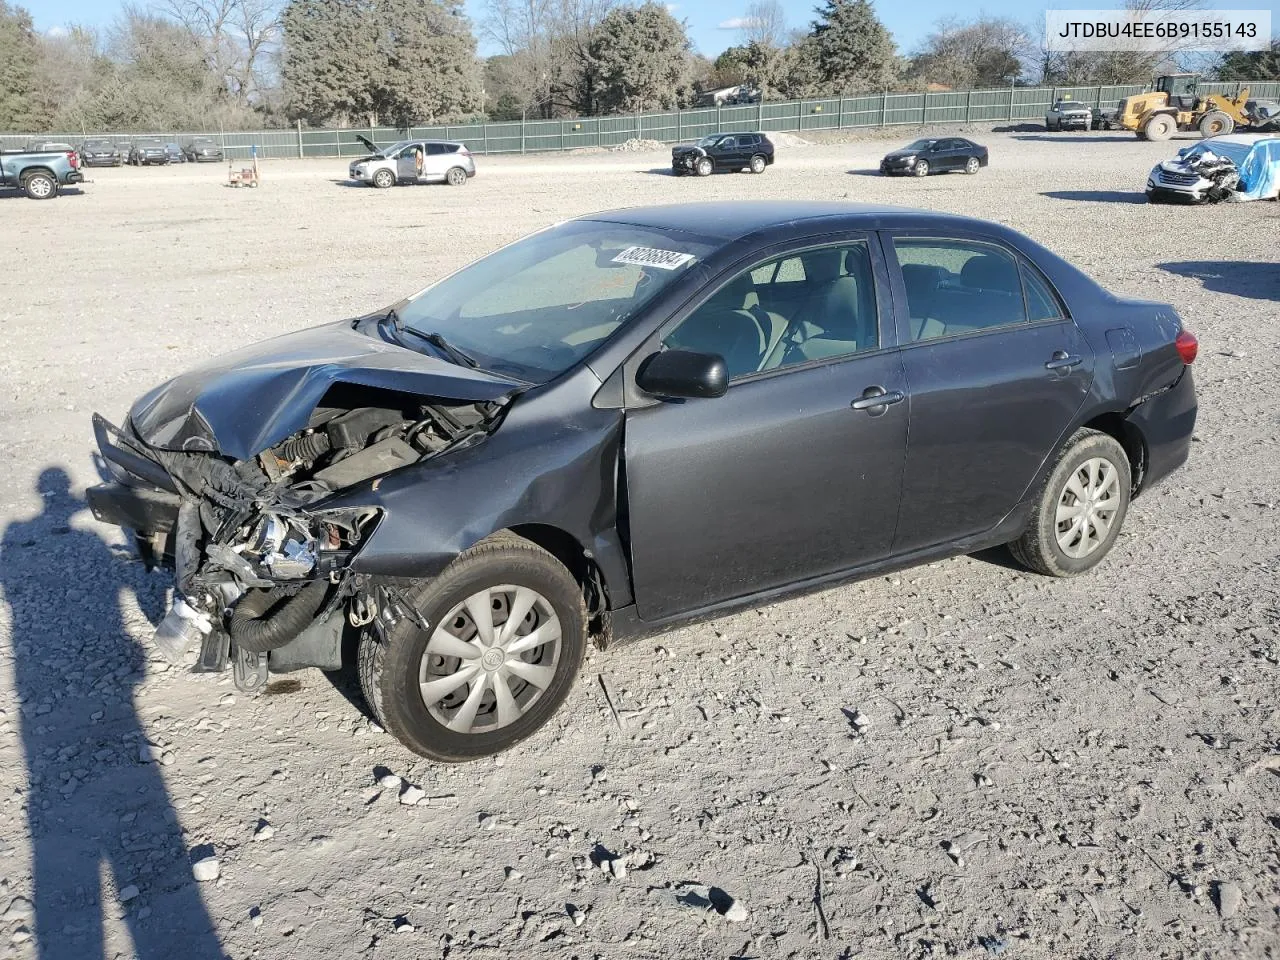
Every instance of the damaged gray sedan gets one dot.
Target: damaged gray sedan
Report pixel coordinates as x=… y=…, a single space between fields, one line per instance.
x=627 y=421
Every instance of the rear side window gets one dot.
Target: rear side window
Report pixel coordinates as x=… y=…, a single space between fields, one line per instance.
x=1042 y=302
x=956 y=287
x=435 y=149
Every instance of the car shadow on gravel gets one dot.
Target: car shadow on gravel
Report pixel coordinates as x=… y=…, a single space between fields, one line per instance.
x=1240 y=278
x=96 y=801
x=1097 y=196
x=1067 y=138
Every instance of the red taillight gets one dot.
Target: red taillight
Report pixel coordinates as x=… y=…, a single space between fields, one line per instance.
x=464 y=151
x=75 y=159
x=1188 y=346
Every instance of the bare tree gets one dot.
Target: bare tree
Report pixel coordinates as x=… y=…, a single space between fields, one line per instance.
x=765 y=24
x=234 y=35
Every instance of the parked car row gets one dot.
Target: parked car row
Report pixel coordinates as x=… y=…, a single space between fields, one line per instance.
x=144 y=151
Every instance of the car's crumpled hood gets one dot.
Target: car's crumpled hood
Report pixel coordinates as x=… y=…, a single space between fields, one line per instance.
x=686 y=148
x=1176 y=166
x=247 y=401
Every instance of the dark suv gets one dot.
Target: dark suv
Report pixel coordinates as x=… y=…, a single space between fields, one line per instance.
x=146 y=152
x=722 y=151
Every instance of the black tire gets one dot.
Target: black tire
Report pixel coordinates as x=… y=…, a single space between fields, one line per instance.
x=389 y=669
x=704 y=167
x=1216 y=123
x=1038 y=548
x=1052 y=126
x=384 y=179
x=40 y=185
x=456 y=177
x=921 y=168
x=1160 y=127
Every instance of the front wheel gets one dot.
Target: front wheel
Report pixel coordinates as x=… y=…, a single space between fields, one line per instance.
x=971 y=165
x=506 y=634
x=922 y=168
x=1216 y=123
x=384 y=179
x=757 y=164
x=1080 y=509
x=704 y=167
x=456 y=177
x=40 y=186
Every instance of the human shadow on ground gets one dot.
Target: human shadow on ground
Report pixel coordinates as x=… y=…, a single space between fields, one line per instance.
x=92 y=801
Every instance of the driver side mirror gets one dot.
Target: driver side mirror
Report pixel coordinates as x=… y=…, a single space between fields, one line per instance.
x=683 y=374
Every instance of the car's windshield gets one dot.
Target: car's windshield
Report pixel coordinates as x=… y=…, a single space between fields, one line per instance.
x=395 y=148
x=537 y=307
x=1236 y=151
x=710 y=141
x=99 y=144
x=920 y=145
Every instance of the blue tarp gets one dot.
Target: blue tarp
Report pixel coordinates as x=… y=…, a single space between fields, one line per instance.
x=1260 y=171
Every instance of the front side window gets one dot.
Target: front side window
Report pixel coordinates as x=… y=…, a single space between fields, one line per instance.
x=958 y=286
x=535 y=308
x=812 y=305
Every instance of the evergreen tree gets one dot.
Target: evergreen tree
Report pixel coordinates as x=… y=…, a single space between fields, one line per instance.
x=854 y=52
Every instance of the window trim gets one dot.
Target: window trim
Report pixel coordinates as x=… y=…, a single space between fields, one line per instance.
x=902 y=310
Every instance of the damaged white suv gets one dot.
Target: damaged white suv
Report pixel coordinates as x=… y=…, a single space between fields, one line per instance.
x=414 y=161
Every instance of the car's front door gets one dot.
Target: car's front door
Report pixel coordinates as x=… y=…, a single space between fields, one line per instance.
x=795 y=472
x=997 y=372
x=726 y=152
x=407 y=162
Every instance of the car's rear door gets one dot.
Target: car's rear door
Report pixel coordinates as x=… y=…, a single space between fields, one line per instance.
x=794 y=473
x=437 y=161
x=996 y=371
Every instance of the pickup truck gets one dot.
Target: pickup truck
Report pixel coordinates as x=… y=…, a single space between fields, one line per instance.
x=1068 y=115
x=39 y=174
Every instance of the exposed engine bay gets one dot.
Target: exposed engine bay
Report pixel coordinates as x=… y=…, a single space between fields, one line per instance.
x=258 y=558
x=1221 y=171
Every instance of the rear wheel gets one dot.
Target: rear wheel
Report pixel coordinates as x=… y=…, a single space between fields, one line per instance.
x=456 y=177
x=971 y=166
x=704 y=167
x=1159 y=127
x=1080 y=509
x=921 y=168
x=506 y=634
x=40 y=186
x=384 y=179
x=757 y=164
x=1216 y=123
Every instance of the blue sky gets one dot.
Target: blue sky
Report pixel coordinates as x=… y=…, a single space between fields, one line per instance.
x=710 y=21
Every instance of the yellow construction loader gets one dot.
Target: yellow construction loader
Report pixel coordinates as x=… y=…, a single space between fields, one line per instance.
x=1174 y=105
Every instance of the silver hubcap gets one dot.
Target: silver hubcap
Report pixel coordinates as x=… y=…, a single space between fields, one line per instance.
x=757 y=165
x=40 y=187
x=457 y=177
x=490 y=659
x=972 y=165
x=1087 y=507
x=922 y=168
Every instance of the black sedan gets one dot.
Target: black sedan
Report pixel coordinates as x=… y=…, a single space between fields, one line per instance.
x=723 y=151
x=100 y=153
x=147 y=152
x=630 y=420
x=935 y=155
x=202 y=150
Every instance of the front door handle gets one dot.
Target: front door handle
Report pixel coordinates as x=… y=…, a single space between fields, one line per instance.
x=876 y=398
x=1063 y=361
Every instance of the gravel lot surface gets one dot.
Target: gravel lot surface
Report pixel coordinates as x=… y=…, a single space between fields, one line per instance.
x=960 y=760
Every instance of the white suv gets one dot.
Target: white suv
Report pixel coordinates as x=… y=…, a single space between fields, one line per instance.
x=414 y=161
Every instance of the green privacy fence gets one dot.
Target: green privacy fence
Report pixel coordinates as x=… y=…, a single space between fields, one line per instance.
x=1008 y=104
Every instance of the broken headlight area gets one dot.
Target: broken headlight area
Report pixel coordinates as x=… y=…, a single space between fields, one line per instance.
x=258 y=558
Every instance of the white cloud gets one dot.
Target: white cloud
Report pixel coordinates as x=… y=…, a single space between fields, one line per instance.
x=57 y=32
x=672 y=7
x=737 y=23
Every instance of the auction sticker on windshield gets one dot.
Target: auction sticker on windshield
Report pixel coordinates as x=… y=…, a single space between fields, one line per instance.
x=653 y=257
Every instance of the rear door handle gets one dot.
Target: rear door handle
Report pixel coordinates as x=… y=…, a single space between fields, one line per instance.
x=1063 y=361
x=877 y=398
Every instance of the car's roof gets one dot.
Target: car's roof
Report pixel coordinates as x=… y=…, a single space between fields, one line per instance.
x=1248 y=139
x=730 y=220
